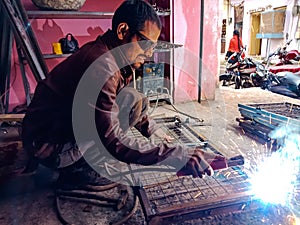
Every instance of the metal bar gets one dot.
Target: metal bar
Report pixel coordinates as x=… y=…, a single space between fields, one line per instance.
x=201 y=50
x=5 y=60
x=6 y=93
x=24 y=78
x=33 y=41
x=281 y=114
x=22 y=36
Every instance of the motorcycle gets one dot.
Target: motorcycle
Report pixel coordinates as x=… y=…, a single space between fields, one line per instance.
x=242 y=71
x=285 y=83
x=286 y=57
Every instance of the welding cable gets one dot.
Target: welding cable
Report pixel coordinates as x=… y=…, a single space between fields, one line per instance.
x=102 y=187
x=180 y=112
x=130 y=214
x=58 y=211
x=84 y=194
x=188 y=115
x=80 y=196
x=156 y=104
x=134 y=207
x=85 y=197
x=92 y=198
x=175 y=109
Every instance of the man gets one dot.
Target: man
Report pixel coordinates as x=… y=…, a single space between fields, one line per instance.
x=58 y=126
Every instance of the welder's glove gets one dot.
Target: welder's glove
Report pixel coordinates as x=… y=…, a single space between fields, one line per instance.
x=199 y=164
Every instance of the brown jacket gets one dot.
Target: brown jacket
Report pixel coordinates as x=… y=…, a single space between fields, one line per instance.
x=91 y=77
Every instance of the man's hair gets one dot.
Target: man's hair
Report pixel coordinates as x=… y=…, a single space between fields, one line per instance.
x=135 y=13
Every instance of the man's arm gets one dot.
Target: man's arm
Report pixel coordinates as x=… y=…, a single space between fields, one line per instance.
x=132 y=150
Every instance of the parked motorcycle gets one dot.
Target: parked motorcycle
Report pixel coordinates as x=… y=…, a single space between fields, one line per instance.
x=285 y=83
x=242 y=72
x=286 y=57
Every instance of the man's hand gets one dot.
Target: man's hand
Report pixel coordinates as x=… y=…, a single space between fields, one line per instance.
x=159 y=133
x=199 y=164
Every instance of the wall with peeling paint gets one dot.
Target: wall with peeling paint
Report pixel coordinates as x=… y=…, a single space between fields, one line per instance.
x=186 y=59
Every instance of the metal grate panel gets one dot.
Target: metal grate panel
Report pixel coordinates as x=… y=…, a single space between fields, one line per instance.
x=166 y=197
x=284 y=109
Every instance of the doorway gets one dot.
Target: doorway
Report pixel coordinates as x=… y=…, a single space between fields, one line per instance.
x=255 y=43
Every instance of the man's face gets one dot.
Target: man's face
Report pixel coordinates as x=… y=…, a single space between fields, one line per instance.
x=142 y=44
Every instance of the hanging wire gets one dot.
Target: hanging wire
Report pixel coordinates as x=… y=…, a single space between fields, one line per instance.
x=166 y=91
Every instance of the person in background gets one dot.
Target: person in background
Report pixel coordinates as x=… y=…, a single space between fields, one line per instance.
x=106 y=65
x=235 y=44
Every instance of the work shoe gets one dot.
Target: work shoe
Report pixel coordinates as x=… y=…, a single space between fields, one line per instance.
x=80 y=175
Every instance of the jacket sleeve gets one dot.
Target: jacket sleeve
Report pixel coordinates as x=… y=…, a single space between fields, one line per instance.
x=125 y=148
x=146 y=126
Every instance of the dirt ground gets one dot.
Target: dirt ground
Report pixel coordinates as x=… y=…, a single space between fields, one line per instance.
x=28 y=200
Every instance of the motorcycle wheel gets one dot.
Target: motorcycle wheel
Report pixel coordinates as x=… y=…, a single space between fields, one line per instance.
x=238 y=82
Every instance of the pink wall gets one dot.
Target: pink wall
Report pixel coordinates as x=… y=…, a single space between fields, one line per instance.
x=48 y=31
x=186 y=59
x=186 y=32
x=211 y=48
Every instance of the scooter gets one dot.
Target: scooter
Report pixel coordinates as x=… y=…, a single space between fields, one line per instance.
x=242 y=72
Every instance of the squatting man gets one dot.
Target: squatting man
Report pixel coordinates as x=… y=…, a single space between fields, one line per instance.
x=80 y=113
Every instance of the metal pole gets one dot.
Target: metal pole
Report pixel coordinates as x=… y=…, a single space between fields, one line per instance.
x=200 y=49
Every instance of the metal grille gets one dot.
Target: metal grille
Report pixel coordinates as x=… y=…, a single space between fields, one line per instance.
x=166 y=197
x=165 y=190
x=284 y=109
x=260 y=119
x=181 y=132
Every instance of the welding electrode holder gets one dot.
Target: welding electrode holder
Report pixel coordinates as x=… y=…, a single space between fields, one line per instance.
x=222 y=163
x=218 y=164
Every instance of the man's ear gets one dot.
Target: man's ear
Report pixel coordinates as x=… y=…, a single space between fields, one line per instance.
x=122 y=30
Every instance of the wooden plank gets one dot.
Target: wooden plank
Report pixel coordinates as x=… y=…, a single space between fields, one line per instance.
x=11 y=117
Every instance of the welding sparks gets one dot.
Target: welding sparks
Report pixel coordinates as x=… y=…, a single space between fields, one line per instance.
x=274 y=182
x=275 y=179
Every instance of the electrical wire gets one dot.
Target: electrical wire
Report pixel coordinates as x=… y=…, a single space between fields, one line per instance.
x=156 y=103
x=173 y=106
x=188 y=115
x=3 y=95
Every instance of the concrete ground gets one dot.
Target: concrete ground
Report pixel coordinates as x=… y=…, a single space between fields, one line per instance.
x=28 y=200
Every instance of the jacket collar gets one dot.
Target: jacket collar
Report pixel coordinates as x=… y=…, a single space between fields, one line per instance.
x=109 y=39
x=112 y=43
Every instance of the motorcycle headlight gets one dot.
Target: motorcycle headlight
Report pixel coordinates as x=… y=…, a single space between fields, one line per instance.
x=260 y=67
